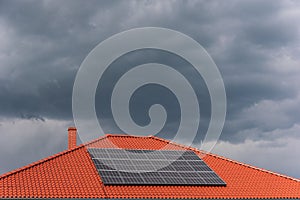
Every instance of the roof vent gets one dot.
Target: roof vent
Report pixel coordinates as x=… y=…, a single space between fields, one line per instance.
x=72 y=142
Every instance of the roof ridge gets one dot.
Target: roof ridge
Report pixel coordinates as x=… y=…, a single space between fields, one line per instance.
x=169 y=142
x=96 y=140
x=125 y=135
x=253 y=167
x=151 y=136
x=227 y=159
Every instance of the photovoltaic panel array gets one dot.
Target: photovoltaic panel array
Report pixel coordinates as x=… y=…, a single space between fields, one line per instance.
x=146 y=167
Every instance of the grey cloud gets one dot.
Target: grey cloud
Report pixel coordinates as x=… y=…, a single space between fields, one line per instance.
x=32 y=117
x=279 y=155
x=62 y=35
x=263 y=120
x=24 y=141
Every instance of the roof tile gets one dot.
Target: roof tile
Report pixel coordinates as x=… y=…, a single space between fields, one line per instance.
x=72 y=174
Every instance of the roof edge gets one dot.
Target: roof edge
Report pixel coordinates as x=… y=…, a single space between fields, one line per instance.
x=40 y=161
x=228 y=159
x=254 y=167
x=49 y=158
x=151 y=136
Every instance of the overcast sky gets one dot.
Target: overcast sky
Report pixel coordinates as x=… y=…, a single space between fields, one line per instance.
x=255 y=44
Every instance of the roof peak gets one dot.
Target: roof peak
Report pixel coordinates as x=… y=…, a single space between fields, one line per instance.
x=76 y=168
x=125 y=135
x=146 y=137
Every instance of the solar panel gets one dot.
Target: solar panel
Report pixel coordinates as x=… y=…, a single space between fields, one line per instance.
x=146 y=167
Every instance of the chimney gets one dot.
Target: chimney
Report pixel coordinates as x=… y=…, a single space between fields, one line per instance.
x=72 y=142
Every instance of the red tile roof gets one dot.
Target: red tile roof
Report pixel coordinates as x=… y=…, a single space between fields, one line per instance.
x=72 y=174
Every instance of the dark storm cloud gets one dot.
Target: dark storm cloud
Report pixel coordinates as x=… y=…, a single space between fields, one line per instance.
x=152 y=94
x=49 y=40
x=42 y=59
x=255 y=44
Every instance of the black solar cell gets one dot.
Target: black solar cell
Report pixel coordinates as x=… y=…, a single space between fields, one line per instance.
x=147 y=167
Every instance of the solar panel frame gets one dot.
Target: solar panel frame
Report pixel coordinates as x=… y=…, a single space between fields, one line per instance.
x=147 y=167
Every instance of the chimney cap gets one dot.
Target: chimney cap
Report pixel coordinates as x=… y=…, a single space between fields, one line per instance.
x=72 y=141
x=72 y=128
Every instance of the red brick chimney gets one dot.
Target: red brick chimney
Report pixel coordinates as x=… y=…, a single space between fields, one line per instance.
x=72 y=142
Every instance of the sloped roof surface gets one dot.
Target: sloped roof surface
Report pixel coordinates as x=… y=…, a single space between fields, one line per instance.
x=72 y=174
